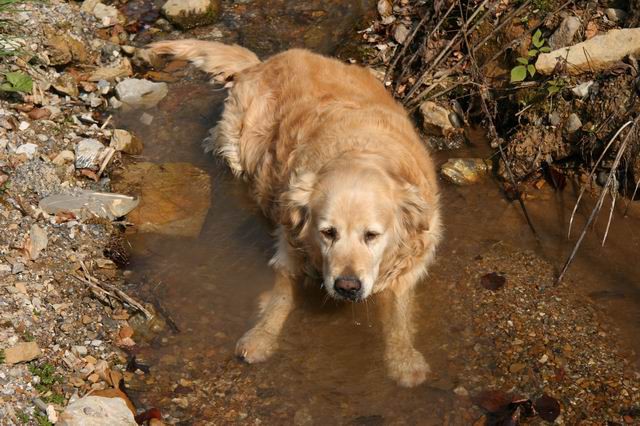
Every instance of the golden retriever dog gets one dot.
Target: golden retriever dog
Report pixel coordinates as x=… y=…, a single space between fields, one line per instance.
x=336 y=164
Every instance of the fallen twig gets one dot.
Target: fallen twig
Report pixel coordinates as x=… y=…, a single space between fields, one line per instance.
x=111 y=291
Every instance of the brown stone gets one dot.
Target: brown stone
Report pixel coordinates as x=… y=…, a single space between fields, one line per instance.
x=22 y=352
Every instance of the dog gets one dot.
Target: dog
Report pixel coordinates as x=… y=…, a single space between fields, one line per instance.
x=335 y=162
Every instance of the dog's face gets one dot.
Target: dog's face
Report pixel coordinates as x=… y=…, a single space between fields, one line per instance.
x=353 y=217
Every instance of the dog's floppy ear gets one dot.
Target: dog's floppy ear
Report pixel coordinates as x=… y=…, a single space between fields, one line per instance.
x=296 y=201
x=415 y=211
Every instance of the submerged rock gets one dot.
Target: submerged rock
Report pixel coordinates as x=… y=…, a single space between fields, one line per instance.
x=191 y=13
x=174 y=197
x=465 y=171
x=136 y=93
x=563 y=36
x=596 y=54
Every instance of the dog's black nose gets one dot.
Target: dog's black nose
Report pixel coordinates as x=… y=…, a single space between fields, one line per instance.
x=348 y=287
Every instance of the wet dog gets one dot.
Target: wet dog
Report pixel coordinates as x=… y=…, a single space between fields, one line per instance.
x=336 y=164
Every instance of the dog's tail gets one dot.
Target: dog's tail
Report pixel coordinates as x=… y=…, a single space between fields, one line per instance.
x=222 y=61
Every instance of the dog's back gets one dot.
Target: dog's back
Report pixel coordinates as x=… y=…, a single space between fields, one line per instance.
x=300 y=98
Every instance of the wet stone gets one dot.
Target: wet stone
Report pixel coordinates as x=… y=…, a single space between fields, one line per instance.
x=191 y=13
x=465 y=171
x=137 y=93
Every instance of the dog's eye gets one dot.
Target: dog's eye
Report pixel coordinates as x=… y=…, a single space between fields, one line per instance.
x=370 y=236
x=329 y=233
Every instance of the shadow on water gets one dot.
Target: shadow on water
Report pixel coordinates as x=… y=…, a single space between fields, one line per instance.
x=329 y=367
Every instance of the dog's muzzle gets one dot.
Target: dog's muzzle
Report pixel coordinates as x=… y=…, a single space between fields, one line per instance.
x=348 y=287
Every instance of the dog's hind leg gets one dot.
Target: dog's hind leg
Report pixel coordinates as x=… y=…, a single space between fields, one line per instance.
x=404 y=363
x=260 y=342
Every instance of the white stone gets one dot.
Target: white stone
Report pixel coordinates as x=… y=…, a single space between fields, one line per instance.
x=28 y=149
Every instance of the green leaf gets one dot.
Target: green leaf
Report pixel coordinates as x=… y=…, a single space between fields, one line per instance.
x=545 y=49
x=536 y=39
x=523 y=61
x=518 y=73
x=17 y=81
x=532 y=52
x=553 y=89
x=532 y=69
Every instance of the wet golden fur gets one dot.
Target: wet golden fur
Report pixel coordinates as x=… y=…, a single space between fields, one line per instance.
x=309 y=134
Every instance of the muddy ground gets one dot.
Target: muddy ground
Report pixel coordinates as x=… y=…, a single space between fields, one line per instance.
x=152 y=302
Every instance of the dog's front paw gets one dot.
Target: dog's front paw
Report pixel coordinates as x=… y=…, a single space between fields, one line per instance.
x=256 y=346
x=407 y=367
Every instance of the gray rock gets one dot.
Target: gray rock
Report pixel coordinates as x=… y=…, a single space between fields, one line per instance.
x=136 y=93
x=573 y=123
x=28 y=149
x=105 y=205
x=465 y=171
x=17 y=268
x=615 y=15
x=103 y=87
x=564 y=34
x=88 y=153
x=554 y=118
x=582 y=90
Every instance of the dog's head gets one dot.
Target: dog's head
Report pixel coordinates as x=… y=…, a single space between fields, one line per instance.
x=354 y=216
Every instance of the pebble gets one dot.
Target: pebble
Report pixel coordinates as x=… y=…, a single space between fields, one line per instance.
x=87 y=154
x=615 y=15
x=146 y=118
x=28 y=149
x=573 y=123
x=582 y=90
x=24 y=125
